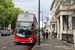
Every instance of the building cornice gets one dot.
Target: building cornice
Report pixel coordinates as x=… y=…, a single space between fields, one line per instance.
x=52 y=5
x=53 y=21
x=66 y=8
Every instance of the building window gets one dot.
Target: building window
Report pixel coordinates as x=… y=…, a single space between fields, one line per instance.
x=73 y=21
x=74 y=1
x=63 y=22
x=67 y=23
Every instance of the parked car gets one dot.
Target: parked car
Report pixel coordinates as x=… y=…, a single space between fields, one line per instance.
x=3 y=33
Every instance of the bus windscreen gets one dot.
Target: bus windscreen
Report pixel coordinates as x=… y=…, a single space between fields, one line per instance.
x=24 y=32
x=25 y=17
x=24 y=25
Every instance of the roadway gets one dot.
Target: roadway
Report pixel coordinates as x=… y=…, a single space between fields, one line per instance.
x=7 y=43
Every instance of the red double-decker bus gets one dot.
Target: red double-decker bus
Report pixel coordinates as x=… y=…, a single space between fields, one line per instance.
x=25 y=28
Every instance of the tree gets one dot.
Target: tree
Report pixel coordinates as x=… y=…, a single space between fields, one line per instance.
x=7 y=3
x=4 y=5
x=44 y=27
x=26 y=11
x=8 y=13
x=3 y=15
x=13 y=12
x=41 y=29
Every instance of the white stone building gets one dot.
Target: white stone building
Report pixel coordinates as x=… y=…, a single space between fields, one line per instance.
x=48 y=24
x=63 y=18
x=53 y=21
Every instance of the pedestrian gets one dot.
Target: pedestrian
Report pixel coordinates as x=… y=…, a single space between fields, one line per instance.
x=53 y=33
x=43 y=35
x=46 y=35
x=49 y=33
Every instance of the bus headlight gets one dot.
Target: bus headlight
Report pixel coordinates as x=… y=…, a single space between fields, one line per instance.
x=15 y=40
x=29 y=38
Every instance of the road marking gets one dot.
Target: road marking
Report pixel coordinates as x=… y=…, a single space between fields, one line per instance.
x=11 y=44
x=3 y=47
x=28 y=47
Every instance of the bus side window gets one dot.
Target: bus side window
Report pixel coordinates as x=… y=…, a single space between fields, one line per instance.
x=32 y=24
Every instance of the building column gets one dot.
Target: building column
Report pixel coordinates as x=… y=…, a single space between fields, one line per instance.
x=61 y=26
x=58 y=28
x=74 y=36
x=70 y=24
x=51 y=30
x=55 y=27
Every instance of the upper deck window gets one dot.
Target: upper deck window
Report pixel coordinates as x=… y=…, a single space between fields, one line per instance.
x=25 y=17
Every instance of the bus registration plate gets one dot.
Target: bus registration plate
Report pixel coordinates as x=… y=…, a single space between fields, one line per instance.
x=23 y=42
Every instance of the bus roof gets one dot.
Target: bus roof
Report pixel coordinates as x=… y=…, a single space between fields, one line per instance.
x=26 y=12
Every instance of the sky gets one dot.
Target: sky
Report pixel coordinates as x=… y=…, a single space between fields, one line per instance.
x=32 y=7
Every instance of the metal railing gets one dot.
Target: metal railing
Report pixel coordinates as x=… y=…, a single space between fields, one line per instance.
x=68 y=38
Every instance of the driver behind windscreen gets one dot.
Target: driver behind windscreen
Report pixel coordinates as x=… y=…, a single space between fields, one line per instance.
x=21 y=31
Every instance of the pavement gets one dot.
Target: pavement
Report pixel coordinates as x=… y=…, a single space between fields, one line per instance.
x=52 y=44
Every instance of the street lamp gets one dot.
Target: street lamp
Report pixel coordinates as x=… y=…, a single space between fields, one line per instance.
x=39 y=21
